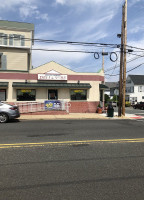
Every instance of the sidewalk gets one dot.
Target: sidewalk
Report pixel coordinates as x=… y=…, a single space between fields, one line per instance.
x=78 y=116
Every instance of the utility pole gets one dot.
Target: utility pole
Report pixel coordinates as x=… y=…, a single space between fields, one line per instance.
x=124 y=69
x=103 y=60
x=104 y=80
x=121 y=66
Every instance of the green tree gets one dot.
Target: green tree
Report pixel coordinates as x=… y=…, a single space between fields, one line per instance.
x=107 y=98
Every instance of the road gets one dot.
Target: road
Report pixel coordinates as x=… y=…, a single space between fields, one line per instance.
x=72 y=160
x=130 y=110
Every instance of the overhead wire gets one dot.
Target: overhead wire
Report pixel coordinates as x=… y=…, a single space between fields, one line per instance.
x=111 y=68
x=126 y=71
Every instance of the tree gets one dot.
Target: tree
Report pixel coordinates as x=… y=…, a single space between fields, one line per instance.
x=107 y=98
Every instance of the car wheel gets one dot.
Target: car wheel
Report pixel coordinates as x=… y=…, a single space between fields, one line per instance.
x=3 y=117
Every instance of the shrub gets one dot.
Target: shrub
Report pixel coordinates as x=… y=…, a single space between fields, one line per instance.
x=127 y=104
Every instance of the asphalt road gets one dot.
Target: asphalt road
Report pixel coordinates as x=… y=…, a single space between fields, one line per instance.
x=72 y=160
x=130 y=110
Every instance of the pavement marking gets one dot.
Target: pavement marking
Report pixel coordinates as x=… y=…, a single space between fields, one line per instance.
x=40 y=144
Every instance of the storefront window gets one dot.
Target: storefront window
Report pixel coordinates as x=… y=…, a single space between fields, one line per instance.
x=2 y=95
x=78 y=95
x=26 y=95
x=52 y=94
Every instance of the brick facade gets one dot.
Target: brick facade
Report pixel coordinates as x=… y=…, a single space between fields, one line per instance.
x=83 y=107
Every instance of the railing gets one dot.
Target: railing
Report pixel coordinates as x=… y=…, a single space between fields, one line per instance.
x=28 y=107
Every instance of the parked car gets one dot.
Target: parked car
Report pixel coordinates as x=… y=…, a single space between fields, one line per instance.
x=139 y=105
x=8 y=112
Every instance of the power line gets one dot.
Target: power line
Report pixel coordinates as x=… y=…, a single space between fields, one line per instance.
x=126 y=71
x=134 y=47
x=111 y=68
x=64 y=42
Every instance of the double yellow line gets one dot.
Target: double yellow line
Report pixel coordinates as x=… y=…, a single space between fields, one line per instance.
x=22 y=145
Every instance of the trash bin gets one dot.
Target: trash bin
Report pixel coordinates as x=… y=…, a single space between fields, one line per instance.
x=110 y=111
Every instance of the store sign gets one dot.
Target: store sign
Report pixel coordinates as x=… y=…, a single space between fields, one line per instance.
x=78 y=91
x=52 y=105
x=24 y=91
x=54 y=77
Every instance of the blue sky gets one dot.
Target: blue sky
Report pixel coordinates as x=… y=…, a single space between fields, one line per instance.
x=82 y=21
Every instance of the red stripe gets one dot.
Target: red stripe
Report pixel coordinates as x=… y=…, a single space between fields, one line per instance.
x=26 y=76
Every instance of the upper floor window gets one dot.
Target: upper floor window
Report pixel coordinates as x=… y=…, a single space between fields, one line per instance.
x=128 y=81
x=140 y=88
x=3 y=39
x=0 y=61
x=130 y=89
x=16 y=40
x=3 y=61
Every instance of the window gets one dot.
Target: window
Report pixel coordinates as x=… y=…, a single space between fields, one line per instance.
x=26 y=95
x=2 y=95
x=3 y=39
x=16 y=40
x=52 y=94
x=3 y=62
x=78 y=95
x=128 y=81
x=142 y=97
x=0 y=61
x=140 y=89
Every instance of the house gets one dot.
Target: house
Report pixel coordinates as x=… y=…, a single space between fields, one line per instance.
x=135 y=88
x=112 y=89
x=51 y=81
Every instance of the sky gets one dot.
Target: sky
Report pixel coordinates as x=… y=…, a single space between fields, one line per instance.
x=89 y=21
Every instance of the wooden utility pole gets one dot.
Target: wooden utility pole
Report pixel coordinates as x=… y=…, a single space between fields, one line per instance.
x=124 y=70
x=104 y=79
x=103 y=61
x=121 y=66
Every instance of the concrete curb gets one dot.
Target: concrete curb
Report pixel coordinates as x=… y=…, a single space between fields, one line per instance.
x=73 y=116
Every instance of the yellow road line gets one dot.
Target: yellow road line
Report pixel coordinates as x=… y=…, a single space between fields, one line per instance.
x=19 y=145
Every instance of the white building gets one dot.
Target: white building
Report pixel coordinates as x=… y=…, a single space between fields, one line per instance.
x=135 y=88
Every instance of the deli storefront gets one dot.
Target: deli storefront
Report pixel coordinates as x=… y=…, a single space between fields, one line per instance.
x=53 y=82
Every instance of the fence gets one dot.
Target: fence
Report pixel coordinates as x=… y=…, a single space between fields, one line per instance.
x=28 y=107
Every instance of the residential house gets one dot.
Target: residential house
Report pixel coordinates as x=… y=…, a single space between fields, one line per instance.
x=135 y=88
x=112 y=89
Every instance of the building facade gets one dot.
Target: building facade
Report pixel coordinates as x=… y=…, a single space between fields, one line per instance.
x=52 y=81
x=135 y=88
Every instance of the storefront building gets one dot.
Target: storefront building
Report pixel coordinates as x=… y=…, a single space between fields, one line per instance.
x=52 y=81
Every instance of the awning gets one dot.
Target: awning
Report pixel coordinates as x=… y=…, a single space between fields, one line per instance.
x=51 y=85
x=102 y=86
x=4 y=84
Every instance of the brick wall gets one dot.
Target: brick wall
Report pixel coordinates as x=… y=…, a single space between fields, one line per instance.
x=83 y=107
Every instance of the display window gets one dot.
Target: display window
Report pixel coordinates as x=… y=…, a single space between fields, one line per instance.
x=52 y=94
x=26 y=95
x=78 y=95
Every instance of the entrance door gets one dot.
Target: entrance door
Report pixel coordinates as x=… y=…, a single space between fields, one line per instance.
x=52 y=94
x=2 y=95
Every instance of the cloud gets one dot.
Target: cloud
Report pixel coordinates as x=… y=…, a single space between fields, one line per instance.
x=136 y=29
x=132 y=2
x=49 y=34
x=88 y=29
x=75 y=2
x=31 y=10
x=26 y=8
x=65 y=58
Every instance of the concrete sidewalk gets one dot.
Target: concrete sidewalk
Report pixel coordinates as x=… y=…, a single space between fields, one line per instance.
x=77 y=116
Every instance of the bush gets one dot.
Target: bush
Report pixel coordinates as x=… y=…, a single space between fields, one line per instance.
x=127 y=104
